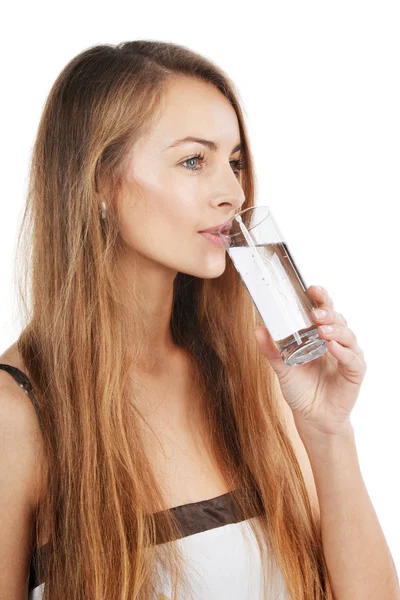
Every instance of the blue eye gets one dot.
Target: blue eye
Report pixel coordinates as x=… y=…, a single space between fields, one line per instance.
x=200 y=157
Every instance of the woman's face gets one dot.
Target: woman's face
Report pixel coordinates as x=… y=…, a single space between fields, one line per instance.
x=170 y=196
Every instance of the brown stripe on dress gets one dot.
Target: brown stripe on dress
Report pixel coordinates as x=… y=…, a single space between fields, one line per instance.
x=192 y=518
x=37 y=566
x=204 y=515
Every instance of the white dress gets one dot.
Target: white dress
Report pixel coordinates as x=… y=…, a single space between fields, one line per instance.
x=223 y=564
x=222 y=559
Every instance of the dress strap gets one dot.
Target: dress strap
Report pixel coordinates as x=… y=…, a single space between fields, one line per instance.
x=22 y=380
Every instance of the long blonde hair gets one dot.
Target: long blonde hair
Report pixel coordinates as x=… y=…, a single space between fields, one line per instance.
x=99 y=481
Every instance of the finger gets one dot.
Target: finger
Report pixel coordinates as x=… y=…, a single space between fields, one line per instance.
x=326 y=302
x=351 y=364
x=331 y=318
x=343 y=335
x=321 y=297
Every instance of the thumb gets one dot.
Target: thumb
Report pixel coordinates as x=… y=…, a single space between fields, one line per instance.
x=269 y=349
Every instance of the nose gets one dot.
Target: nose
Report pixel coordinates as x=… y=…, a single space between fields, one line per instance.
x=236 y=197
x=235 y=202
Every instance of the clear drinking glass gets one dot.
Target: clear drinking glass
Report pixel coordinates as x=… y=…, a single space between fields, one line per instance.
x=263 y=260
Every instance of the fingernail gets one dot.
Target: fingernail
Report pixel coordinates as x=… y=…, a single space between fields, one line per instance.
x=320 y=313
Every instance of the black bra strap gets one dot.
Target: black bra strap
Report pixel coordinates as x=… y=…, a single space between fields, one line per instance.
x=21 y=379
x=19 y=376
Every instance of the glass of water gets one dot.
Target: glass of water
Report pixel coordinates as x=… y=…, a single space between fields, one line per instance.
x=263 y=260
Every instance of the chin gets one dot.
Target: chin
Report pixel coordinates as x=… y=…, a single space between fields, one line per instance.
x=206 y=266
x=212 y=273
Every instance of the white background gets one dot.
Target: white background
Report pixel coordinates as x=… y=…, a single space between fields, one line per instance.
x=320 y=86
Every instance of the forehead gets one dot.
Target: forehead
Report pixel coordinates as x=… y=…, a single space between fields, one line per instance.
x=194 y=108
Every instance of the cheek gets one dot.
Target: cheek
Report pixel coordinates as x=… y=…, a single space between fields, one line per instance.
x=167 y=194
x=159 y=221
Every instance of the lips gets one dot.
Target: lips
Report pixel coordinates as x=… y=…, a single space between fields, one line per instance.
x=215 y=229
x=213 y=238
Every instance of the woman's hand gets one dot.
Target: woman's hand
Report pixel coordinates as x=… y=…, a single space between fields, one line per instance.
x=323 y=392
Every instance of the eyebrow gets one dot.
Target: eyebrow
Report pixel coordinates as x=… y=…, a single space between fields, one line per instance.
x=208 y=143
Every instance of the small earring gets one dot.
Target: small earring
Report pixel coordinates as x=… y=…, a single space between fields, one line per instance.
x=103 y=209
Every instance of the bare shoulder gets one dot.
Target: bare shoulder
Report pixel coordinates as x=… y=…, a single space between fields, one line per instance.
x=21 y=452
x=19 y=426
x=11 y=356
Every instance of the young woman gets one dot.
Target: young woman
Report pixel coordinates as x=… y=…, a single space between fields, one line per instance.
x=154 y=444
